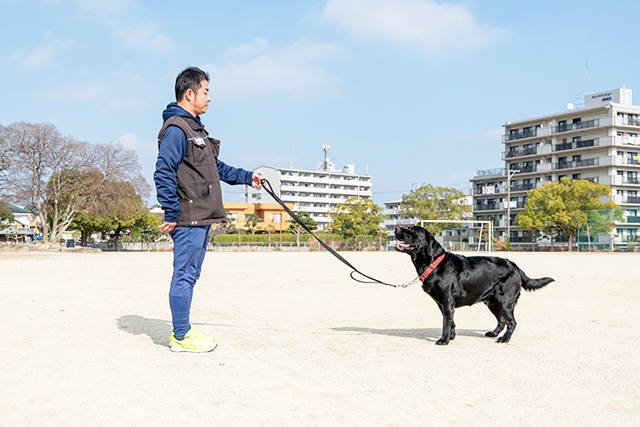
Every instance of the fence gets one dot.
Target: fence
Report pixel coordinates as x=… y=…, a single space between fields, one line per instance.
x=242 y=246
x=606 y=230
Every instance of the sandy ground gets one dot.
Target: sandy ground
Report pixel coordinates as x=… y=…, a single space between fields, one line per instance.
x=301 y=344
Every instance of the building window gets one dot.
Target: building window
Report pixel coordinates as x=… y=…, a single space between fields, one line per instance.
x=276 y=217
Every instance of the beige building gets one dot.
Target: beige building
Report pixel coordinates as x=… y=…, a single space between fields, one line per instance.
x=598 y=142
x=270 y=216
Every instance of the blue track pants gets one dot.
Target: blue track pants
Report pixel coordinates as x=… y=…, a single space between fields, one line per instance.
x=189 y=249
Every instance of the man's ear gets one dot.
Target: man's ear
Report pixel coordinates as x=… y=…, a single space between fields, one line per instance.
x=188 y=95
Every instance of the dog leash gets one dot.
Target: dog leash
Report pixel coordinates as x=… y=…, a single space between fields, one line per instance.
x=267 y=187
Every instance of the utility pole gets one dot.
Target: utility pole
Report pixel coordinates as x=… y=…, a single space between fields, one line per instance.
x=510 y=174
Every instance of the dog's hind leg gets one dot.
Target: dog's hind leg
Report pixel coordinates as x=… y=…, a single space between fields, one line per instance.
x=496 y=309
x=511 y=326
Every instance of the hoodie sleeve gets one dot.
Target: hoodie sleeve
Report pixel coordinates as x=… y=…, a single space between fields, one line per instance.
x=234 y=176
x=173 y=147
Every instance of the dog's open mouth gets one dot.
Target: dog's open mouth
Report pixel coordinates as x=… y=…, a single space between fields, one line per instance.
x=403 y=247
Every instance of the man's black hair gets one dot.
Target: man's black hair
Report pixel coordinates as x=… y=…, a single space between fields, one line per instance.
x=189 y=78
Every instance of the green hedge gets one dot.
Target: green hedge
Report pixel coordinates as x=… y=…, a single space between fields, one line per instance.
x=288 y=237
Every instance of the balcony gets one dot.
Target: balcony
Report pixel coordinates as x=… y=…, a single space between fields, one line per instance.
x=577 y=144
x=486 y=207
x=631 y=199
x=628 y=161
x=577 y=163
x=633 y=219
x=527 y=169
x=631 y=121
x=626 y=180
x=489 y=189
x=514 y=205
x=522 y=187
x=520 y=135
x=575 y=126
x=519 y=153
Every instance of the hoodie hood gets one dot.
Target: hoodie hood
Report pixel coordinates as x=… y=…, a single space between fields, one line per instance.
x=174 y=109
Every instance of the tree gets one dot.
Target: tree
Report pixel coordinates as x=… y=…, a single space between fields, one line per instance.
x=251 y=222
x=56 y=176
x=560 y=207
x=37 y=152
x=5 y=215
x=124 y=207
x=429 y=202
x=356 y=216
x=298 y=229
x=88 y=224
x=146 y=228
x=600 y=222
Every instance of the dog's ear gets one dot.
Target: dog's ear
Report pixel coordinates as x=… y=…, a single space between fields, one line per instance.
x=435 y=249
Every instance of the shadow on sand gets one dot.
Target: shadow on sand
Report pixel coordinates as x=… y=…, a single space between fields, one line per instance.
x=156 y=329
x=431 y=334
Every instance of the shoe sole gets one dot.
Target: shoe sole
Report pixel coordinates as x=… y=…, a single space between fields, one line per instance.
x=189 y=350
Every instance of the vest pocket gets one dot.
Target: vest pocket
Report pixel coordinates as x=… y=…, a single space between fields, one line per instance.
x=202 y=202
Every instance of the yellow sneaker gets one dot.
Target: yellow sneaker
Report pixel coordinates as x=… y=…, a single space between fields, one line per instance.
x=192 y=342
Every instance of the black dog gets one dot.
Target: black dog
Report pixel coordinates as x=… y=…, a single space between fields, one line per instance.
x=455 y=281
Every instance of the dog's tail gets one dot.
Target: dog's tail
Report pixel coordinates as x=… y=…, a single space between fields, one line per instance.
x=534 y=284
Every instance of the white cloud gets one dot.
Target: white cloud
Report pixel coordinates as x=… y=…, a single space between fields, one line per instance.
x=43 y=55
x=143 y=148
x=78 y=92
x=432 y=27
x=265 y=70
x=98 y=95
x=143 y=35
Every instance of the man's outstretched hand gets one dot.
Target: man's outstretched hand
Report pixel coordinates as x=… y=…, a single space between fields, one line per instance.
x=256 y=181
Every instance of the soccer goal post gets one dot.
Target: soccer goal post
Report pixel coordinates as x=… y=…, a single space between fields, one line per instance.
x=488 y=245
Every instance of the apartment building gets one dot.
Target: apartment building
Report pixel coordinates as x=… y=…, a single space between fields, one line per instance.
x=394 y=219
x=598 y=142
x=312 y=191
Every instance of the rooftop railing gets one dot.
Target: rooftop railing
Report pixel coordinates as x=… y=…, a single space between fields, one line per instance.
x=491 y=172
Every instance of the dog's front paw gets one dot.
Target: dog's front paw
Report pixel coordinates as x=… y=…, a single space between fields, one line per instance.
x=442 y=341
x=491 y=334
x=503 y=339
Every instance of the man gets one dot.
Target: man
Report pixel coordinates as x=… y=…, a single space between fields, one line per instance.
x=187 y=178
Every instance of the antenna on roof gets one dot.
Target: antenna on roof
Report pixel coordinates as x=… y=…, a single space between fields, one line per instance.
x=587 y=92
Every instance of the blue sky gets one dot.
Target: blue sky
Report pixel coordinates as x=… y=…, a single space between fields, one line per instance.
x=408 y=90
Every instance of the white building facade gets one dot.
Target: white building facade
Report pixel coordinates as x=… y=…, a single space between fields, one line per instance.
x=312 y=191
x=599 y=143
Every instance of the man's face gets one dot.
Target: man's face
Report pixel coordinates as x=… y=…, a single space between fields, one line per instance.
x=201 y=99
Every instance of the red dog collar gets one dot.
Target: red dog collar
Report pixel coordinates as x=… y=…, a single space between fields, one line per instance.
x=433 y=265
